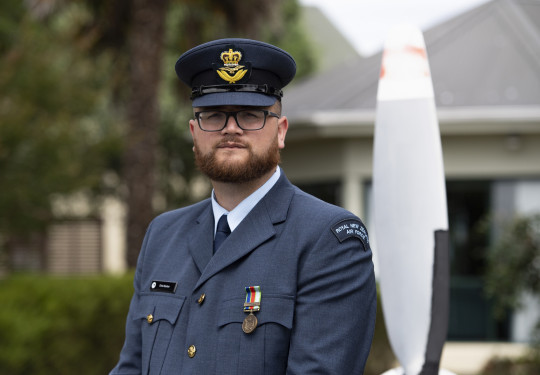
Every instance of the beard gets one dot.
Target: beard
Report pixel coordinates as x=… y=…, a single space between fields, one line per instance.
x=253 y=168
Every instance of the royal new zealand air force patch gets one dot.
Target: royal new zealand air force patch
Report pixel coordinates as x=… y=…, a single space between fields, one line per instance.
x=351 y=228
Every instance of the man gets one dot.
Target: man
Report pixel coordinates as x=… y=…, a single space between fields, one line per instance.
x=261 y=278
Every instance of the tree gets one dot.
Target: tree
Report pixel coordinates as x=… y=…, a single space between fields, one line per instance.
x=54 y=138
x=146 y=39
x=513 y=264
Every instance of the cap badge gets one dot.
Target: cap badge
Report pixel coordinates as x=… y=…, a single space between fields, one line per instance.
x=232 y=71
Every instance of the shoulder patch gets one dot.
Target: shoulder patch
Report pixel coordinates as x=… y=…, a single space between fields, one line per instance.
x=348 y=228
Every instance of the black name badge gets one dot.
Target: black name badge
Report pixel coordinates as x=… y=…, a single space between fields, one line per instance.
x=163 y=286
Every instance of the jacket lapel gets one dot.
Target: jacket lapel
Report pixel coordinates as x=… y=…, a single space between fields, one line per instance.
x=201 y=240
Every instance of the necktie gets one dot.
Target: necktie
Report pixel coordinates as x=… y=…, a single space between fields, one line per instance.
x=222 y=232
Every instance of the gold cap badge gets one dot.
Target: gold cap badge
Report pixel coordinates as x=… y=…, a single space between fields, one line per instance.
x=231 y=71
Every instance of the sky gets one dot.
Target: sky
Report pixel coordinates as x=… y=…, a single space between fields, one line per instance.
x=365 y=23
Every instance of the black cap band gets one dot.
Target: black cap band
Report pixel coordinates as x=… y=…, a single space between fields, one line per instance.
x=212 y=89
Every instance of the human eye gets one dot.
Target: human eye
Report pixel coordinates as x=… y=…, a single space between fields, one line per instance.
x=251 y=115
x=212 y=115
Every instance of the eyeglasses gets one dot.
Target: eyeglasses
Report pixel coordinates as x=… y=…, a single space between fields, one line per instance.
x=246 y=119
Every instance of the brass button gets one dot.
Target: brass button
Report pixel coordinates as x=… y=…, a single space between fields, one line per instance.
x=201 y=299
x=191 y=351
x=150 y=318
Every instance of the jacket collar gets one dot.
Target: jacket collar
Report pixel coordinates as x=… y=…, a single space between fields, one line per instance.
x=256 y=228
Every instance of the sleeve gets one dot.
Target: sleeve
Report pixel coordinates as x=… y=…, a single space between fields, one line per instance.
x=336 y=304
x=130 y=356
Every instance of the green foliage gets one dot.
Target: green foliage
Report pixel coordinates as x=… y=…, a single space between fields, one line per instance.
x=12 y=12
x=513 y=264
x=54 y=138
x=513 y=268
x=290 y=36
x=62 y=326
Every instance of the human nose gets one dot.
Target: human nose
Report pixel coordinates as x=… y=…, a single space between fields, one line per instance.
x=231 y=125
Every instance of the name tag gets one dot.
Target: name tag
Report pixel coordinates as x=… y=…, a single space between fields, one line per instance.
x=163 y=286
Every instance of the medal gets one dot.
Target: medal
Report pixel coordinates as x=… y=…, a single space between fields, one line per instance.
x=250 y=323
x=252 y=304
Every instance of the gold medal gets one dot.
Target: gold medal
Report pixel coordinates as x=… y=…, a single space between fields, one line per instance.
x=249 y=324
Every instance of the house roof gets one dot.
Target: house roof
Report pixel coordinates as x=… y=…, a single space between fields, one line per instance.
x=485 y=64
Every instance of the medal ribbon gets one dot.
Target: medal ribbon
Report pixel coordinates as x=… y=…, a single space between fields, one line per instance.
x=253 y=299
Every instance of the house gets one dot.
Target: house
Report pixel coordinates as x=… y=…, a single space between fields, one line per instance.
x=485 y=66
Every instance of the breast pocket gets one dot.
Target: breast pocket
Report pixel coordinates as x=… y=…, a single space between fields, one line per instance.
x=158 y=314
x=263 y=351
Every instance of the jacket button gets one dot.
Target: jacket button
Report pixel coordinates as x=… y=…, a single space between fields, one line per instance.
x=201 y=299
x=191 y=351
x=150 y=318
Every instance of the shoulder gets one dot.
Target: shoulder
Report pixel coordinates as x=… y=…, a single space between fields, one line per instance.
x=329 y=218
x=181 y=215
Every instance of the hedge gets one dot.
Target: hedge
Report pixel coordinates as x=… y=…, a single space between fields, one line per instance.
x=75 y=325
x=62 y=326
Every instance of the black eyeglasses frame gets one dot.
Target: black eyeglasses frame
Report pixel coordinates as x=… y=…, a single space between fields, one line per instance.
x=234 y=114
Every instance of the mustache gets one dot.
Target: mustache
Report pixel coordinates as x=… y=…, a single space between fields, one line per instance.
x=230 y=139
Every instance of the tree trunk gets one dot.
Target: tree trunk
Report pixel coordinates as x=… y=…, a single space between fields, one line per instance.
x=146 y=38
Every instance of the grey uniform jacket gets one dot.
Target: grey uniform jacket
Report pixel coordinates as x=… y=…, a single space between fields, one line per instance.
x=312 y=262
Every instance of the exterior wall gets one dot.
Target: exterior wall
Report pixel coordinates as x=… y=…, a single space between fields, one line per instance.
x=491 y=156
x=106 y=235
x=314 y=160
x=347 y=161
x=74 y=247
x=499 y=156
x=114 y=236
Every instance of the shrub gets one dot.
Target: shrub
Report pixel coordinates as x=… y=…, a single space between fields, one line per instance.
x=62 y=326
x=513 y=264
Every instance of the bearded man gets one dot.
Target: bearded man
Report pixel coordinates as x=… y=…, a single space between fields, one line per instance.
x=260 y=278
